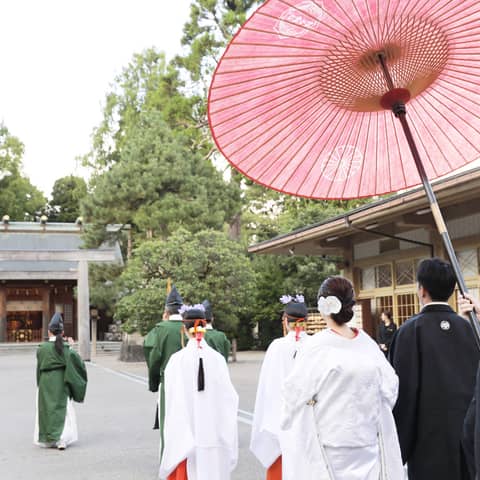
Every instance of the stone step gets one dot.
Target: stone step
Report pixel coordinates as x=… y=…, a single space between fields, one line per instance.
x=103 y=348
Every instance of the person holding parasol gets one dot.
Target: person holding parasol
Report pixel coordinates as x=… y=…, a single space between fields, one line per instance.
x=436 y=358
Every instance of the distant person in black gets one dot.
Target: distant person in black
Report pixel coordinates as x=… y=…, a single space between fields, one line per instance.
x=386 y=330
x=435 y=356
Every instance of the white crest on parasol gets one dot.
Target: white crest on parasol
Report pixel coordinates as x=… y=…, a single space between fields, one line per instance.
x=295 y=21
x=342 y=163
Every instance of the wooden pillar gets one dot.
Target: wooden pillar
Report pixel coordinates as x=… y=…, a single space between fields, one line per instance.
x=3 y=315
x=45 y=312
x=438 y=247
x=83 y=310
x=129 y=244
x=347 y=270
x=94 y=336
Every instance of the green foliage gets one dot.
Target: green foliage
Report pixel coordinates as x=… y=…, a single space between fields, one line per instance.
x=67 y=193
x=261 y=212
x=279 y=275
x=147 y=84
x=142 y=309
x=206 y=264
x=151 y=156
x=267 y=214
x=160 y=185
x=301 y=212
x=211 y=25
x=104 y=286
x=18 y=197
x=11 y=153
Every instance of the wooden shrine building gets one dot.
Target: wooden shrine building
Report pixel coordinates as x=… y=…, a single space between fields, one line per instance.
x=44 y=269
x=380 y=244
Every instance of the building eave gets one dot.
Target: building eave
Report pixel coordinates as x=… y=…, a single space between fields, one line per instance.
x=312 y=239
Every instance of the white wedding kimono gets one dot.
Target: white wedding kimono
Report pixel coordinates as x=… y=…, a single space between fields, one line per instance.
x=268 y=440
x=338 y=402
x=200 y=426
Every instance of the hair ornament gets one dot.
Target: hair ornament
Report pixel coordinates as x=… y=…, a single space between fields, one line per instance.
x=329 y=305
x=197 y=329
x=286 y=299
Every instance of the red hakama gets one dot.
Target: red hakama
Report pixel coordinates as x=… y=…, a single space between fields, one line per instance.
x=180 y=473
x=274 y=472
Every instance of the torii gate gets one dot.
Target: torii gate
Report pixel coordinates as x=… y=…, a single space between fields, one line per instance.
x=82 y=257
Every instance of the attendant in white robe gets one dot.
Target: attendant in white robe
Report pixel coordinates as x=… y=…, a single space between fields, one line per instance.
x=268 y=441
x=201 y=407
x=339 y=399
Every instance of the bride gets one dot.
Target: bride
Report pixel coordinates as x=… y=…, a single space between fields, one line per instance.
x=338 y=400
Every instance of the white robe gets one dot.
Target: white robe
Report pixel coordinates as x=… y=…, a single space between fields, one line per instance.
x=172 y=317
x=200 y=426
x=338 y=400
x=268 y=441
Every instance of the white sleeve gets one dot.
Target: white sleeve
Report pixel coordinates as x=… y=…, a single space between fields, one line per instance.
x=264 y=442
x=389 y=384
x=304 y=382
x=230 y=399
x=179 y=438
x=389 y=379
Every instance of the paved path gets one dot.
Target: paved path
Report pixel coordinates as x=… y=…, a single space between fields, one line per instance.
x=116 y=439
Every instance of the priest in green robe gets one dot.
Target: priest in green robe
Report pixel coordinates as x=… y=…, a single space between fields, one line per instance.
x=165 y=339
x=61 y=380
x=215 y=338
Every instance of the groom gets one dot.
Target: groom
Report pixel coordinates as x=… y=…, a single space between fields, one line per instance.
x=435 y=356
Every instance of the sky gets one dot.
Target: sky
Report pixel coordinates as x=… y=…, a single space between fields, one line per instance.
x=58 y=58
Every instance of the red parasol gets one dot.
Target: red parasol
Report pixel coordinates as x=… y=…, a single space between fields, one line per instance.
x=305 y=97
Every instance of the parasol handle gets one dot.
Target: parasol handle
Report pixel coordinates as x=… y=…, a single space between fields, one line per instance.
x=438 y=217
x=400 y=111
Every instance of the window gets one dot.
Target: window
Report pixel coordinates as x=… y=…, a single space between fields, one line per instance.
x=384 y=303
x=383 y=276
x=68 y=313
x=407 y=305
x=404 y=272
x=368 y=278
x=468 y=260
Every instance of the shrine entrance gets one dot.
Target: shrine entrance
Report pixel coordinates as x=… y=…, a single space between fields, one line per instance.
x=43 y=270
x=24 y=326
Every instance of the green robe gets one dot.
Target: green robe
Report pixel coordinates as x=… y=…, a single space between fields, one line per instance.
x=59 y=377
x=159 y=345
x=148 y=344
x=218 y=341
